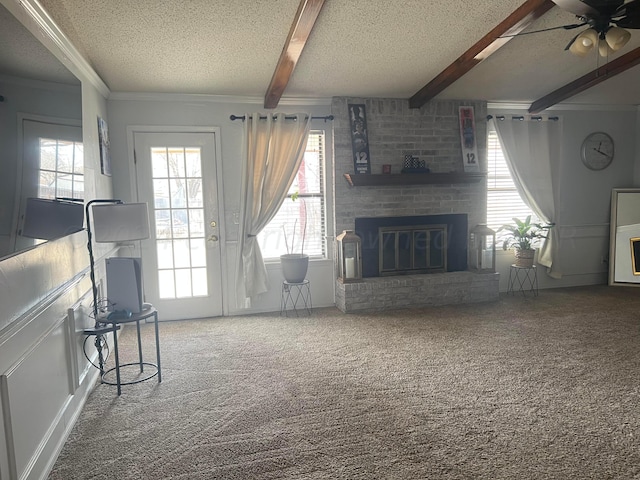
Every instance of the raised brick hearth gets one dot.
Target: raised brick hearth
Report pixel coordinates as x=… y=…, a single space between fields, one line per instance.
x=388 y=293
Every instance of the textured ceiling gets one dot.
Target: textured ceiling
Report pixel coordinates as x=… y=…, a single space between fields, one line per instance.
x=371 y=48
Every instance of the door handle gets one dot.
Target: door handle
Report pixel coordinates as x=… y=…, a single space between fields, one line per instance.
x=213 y=238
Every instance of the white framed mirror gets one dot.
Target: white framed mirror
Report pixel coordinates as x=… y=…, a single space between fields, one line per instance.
x=624 y=247
x=40 y=112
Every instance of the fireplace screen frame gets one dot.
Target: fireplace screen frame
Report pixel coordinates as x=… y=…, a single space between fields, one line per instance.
x=414 y=261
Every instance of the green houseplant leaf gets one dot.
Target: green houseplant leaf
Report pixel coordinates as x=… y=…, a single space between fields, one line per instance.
x=522 y=234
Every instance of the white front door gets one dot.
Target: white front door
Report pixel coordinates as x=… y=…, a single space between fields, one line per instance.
x=181 y=262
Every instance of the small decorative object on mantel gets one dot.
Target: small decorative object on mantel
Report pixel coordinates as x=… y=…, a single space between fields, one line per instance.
x=359 y=139
x=468 y=139
x=414 y=165
x=386 y=169
x=349 y=256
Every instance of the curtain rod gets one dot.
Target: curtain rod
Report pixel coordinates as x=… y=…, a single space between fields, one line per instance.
x=539 y=118
x=236 y=117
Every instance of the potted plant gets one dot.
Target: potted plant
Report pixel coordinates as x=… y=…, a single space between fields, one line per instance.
x=295 y=265
x=523 y=236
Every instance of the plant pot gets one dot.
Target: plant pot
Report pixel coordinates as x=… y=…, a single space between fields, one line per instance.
x=524 y=258
x=294 y=267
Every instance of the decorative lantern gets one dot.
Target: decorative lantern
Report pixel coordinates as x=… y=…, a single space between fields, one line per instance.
x=349 y=256
x=482 y=249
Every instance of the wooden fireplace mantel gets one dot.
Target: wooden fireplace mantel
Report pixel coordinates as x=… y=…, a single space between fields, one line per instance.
x=376 y=180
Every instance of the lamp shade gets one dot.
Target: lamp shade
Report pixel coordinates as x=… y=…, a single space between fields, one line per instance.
x=617 y=38
x=120 y=222
x=48 y=219
x=584 y=42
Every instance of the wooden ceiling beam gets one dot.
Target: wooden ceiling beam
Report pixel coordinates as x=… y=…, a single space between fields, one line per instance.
x=515 y=23
x=587 y=81
x=303 y=23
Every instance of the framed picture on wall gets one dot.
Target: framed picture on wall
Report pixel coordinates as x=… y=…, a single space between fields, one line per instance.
x=105 y=155
x=359 y=138
x=468 y=139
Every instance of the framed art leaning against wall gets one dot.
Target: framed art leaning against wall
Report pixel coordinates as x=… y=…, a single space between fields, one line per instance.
x=624 y=246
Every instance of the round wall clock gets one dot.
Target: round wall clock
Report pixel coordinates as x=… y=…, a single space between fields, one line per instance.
x=597 y=151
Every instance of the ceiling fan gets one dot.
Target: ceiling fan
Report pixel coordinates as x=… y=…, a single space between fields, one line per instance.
x=607 y=21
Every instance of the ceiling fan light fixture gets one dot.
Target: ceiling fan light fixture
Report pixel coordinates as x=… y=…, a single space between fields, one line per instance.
x=584 y=42
x=604 y=49
x=617 y=38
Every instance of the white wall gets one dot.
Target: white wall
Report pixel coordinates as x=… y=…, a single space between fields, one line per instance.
x=126 y=110
x=584 y=195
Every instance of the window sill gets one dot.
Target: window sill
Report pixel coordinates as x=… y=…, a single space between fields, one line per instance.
x=316 y=260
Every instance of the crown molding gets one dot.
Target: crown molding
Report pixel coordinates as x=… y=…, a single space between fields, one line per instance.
x=36 y=19
x=564 y=106
x=207 y=98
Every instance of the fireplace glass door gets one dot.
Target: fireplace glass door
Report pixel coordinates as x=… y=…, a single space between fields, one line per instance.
x=415 y=249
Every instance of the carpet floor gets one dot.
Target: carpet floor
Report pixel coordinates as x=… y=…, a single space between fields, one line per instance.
x=521 y=388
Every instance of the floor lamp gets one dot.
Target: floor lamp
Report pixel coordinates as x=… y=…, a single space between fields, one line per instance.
x=113 y=222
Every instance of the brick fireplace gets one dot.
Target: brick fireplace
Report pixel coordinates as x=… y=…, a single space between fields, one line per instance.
x=430 y=133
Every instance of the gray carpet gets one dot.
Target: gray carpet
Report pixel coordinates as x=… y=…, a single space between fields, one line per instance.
x=523 y=388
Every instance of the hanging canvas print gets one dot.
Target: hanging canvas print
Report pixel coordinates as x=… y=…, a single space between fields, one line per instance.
x=468 y=139
x=103 y=138
x=359 y=140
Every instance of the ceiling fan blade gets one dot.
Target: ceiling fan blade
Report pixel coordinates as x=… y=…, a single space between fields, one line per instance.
x=628 y=8
x=577 y=7
x=605 y=8
x=592 y=9
x=571 y=42
x=574 y=25
x=629 y=14
x=629 y=21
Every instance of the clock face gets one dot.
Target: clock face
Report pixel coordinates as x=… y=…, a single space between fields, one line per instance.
x=597 y=151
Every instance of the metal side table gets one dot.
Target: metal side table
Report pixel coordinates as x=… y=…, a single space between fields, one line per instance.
x=523 y=279
x=115 y=321
x=295 y=297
